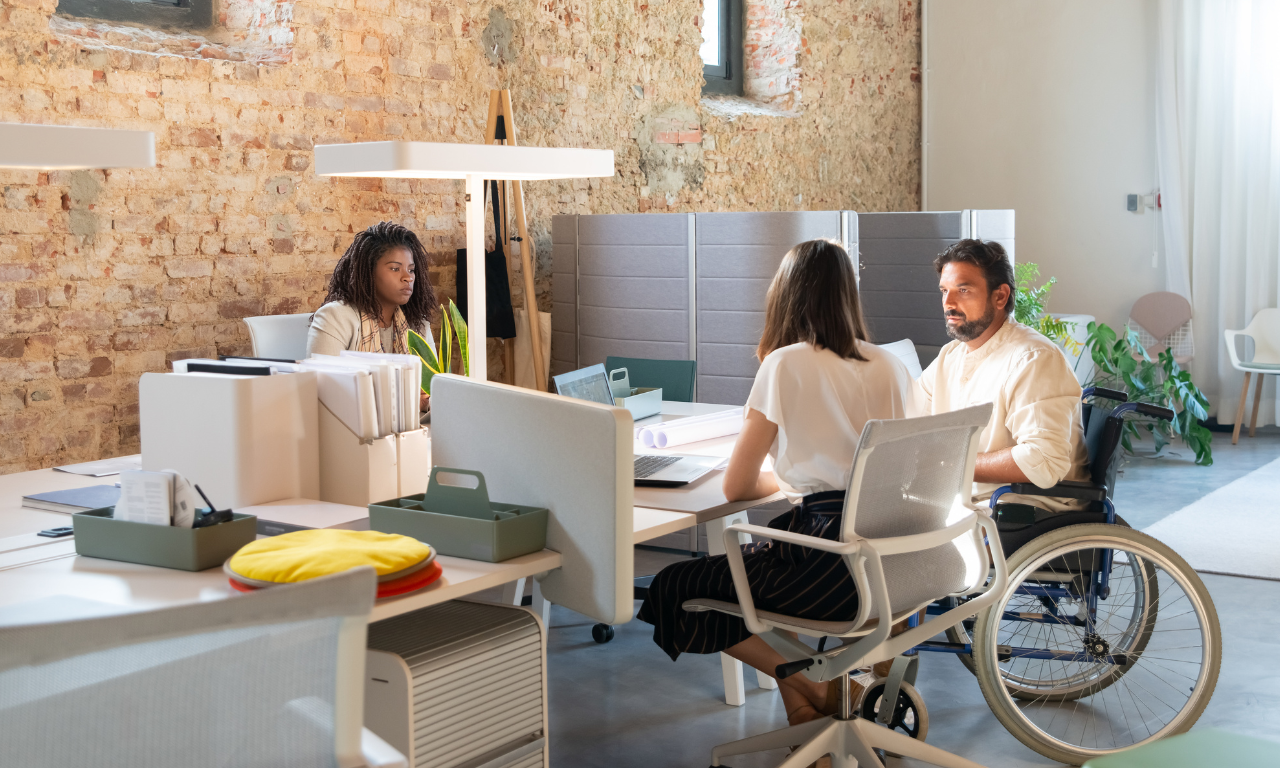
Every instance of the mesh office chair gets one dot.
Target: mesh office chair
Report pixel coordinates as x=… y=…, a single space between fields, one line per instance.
x=909 y=536
x=274 y=678
x=676 y=377
x=279 y=337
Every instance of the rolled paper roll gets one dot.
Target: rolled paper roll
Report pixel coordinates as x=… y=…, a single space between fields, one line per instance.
x=680 y=433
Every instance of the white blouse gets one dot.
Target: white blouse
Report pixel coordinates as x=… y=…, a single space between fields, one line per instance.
x=820 y=403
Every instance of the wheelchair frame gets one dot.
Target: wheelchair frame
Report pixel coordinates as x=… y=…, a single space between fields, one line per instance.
x=1098 y=587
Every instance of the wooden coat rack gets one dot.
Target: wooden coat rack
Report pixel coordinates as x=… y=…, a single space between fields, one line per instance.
x=501 y=129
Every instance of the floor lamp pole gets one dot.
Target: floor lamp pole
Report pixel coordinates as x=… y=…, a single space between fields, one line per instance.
x=476 y=306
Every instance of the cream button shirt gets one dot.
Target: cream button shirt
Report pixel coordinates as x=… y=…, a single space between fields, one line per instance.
x=1036 y=401
x=820 y=402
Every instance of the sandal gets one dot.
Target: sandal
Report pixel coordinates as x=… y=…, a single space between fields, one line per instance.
x=832 y=704
x=816 y=714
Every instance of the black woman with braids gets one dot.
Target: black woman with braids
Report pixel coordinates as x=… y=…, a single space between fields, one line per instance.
x=375 y=296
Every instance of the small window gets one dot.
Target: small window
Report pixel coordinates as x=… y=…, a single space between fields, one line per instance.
x=722 y=46
x=189 y=15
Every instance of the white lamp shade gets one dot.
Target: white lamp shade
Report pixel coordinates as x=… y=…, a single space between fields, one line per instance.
x=429 y=160
x=69 y=148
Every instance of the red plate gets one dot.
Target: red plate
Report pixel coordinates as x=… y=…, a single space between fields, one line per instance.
x=411 y=583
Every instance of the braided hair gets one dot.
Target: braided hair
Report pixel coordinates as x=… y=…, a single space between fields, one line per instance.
x=352 y=280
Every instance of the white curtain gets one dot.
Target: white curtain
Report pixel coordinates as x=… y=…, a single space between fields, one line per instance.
x=1218 y=144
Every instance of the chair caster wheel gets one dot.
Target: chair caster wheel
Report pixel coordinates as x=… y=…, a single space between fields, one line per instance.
x=910 y=716
x=602 y=633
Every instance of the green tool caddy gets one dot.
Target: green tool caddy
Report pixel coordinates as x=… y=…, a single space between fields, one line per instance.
x=99 y=534
x=462 y=522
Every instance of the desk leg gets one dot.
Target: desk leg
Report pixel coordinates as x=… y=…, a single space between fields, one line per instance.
x=540 y=604
x=513 y=592
x=734 y=686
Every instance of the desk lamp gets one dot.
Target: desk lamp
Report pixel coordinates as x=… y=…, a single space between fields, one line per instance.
x=476 y=163
x=72 y=148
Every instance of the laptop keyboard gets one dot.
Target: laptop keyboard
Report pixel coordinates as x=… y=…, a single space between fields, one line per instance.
x=648 y=465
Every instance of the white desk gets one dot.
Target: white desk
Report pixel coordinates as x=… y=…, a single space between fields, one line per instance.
x=32 y=567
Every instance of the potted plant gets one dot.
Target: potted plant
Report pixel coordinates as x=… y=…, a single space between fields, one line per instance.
x=1123 y=364
x=451 y=325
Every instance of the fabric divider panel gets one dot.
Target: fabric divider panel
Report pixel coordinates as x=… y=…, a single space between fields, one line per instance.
x=564 y=294
x=633 y=287
x=737 y=256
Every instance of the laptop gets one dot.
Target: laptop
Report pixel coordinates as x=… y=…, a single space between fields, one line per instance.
x=667 y=471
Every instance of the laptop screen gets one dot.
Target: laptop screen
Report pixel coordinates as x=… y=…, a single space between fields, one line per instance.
x=590 y=383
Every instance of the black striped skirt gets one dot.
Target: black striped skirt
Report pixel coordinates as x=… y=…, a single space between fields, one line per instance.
x=785 y=578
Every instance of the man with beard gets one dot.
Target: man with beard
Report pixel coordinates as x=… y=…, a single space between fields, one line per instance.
x=1035 y=434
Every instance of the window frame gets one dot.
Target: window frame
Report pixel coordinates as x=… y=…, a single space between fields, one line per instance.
x=183 y=15
x=726 y=77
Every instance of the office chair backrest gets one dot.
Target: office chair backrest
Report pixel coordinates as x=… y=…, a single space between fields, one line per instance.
x=905 y=350
x=1264 y=329
x=271 y=678
x=914 y=476
x=1163 y=321
x=282 y=337
x=573 y=457
x=676 y=377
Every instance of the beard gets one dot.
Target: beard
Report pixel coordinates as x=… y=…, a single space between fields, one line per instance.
x=968 y=330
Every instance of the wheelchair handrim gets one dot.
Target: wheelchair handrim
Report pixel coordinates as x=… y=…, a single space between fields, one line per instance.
x=1099 y=672
x=1158 y=561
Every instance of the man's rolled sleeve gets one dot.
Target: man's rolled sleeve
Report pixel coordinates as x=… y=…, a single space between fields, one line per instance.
x=1042 y=414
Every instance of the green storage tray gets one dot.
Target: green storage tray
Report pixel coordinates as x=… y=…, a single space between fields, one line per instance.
x=462 y=522
x=99 y=534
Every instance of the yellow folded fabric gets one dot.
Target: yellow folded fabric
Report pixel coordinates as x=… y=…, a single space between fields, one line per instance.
x=302 y=555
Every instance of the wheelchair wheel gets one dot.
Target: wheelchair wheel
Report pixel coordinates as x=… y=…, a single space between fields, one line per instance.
x=1074 y=683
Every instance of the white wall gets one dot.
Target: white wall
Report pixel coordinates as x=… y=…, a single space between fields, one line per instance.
x=1048 y=107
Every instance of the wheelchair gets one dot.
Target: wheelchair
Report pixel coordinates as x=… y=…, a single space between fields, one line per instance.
x=1105 y=639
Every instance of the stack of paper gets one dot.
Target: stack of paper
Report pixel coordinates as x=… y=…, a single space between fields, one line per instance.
x=373 y=395
x=691 y=430
x=156 y=498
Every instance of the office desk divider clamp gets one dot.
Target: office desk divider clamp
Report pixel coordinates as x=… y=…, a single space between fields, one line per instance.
x=99 y=534
x=461 y=522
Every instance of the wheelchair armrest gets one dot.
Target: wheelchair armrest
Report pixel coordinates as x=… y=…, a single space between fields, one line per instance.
x=1069 y=489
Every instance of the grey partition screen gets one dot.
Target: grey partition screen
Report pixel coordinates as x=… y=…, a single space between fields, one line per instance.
x=692 y=286
x=899 y=285
x=737 y=254
x=623 y=292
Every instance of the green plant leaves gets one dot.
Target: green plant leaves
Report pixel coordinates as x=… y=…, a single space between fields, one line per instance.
x=460 y=327
x=432 y=363
x=1123 y=363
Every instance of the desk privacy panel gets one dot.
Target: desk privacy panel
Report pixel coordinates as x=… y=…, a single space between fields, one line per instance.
x=692 y=286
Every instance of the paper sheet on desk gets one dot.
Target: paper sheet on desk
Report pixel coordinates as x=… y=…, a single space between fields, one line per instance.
x=105 y=467
x=691 y=430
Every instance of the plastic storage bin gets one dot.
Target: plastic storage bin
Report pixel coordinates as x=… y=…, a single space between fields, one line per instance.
x=462 y=522
x=98 y=534
x=643 y=402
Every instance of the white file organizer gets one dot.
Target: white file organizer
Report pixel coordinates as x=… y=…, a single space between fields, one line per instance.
x=245 y=439
x=360 y=472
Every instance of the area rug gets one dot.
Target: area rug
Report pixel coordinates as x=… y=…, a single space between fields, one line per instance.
x=1234 y=530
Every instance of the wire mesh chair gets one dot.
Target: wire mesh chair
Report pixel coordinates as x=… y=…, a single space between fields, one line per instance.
x=274 y=678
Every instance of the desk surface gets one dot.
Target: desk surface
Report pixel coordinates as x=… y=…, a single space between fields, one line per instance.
x=704 y=497
x=32 y=568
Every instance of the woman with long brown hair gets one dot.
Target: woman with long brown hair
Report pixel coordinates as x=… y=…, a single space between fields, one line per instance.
x=819 y=382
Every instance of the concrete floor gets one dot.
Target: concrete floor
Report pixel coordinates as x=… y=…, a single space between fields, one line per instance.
x=626 y=704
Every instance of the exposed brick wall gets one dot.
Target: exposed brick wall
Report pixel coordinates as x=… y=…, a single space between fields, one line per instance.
x=772 y=47
x=105 y=275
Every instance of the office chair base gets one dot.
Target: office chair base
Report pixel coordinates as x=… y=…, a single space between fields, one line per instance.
x=850 y=743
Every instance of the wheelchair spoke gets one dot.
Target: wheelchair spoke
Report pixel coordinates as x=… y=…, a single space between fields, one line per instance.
x=1087 y=675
